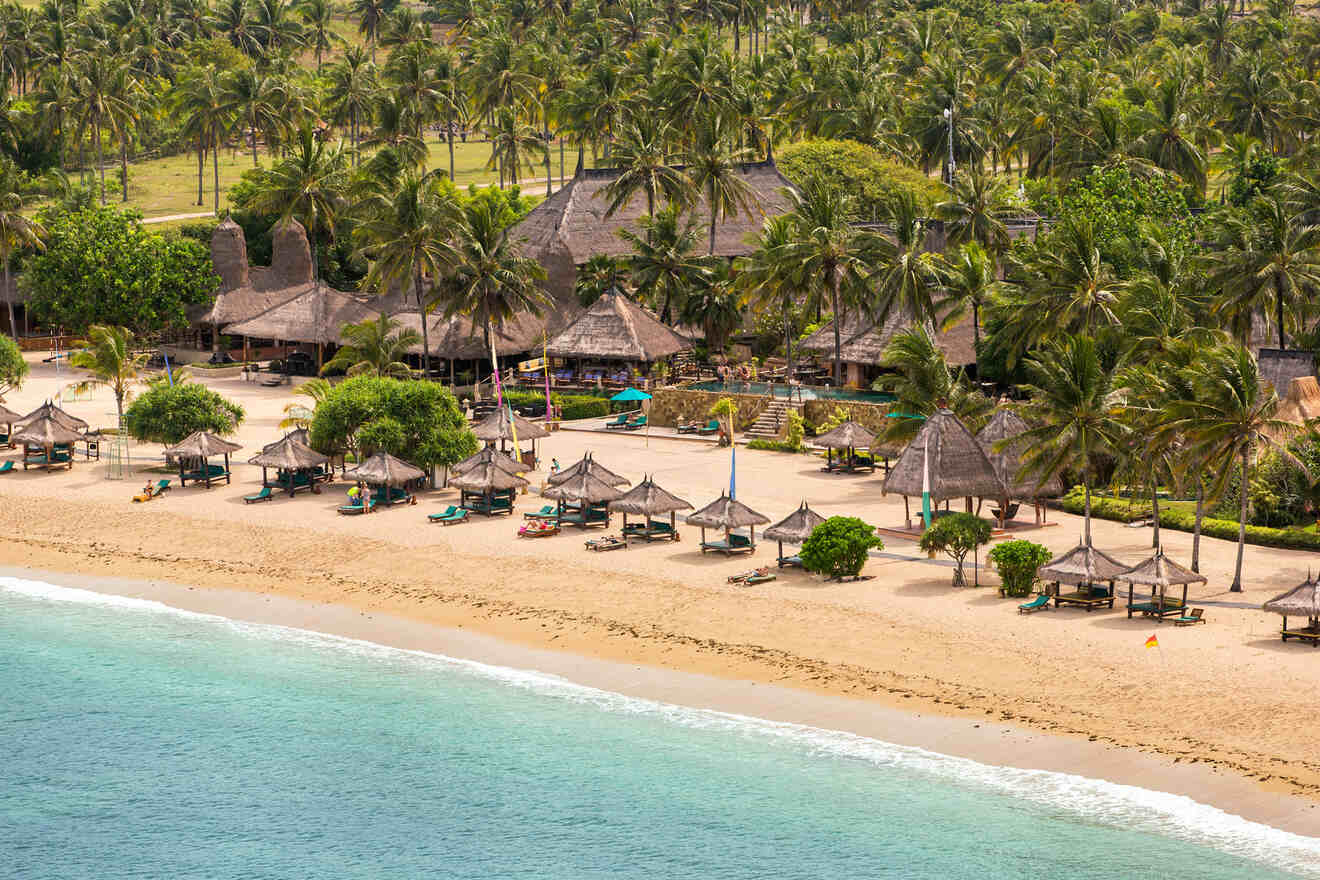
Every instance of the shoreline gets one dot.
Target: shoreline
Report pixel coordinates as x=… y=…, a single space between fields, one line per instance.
x=991 y=742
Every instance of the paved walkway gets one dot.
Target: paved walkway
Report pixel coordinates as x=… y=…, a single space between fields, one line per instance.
x=170 y=218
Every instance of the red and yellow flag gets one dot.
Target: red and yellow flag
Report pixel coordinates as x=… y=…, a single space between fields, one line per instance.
x=1152 y=642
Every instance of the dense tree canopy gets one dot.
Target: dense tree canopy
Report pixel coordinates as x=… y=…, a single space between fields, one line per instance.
x=419 y=422
x=168 y=413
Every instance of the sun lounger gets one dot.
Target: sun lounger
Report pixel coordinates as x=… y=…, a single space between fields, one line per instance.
x=356 y=507
x=712 y=427
x=6 y=467
x=451 y=516
x=162 y=486
x=264 y=495
x=1188 y=619
x=549 y=511
x=743 y=577
x=538 y=528
x=1302 y=634
x=794 y=561
x=735 y=544
x=689 y=427
x=609 y=542
x=634 y=424
x=620 y=421
x=143 y=497
x=1040 y=602
x=1088 y=600
x=760 y=579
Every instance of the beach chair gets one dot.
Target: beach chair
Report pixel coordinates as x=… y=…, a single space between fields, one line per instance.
x=6 y=467
x=620 y=421
x=634 y=424
x=1194 y=616
x=794 y=561
x=460 y=515
x=356 y=507
x=1036 y=604
x=548 y=511
x=143 y=497
x=162 y=486
x=439 y=517
x=712 y=427
x=538 y=528
x=609 y=542
x=264 y=495
x=761 y=578
x=744 y=577
x=689 y=427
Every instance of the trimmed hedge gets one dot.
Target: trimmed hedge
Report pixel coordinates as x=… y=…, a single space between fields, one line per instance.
x=1122 y=510
x=572 y=406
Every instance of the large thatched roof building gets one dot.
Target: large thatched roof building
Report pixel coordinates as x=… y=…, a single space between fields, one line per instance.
x=617 y=328
x=570 y=227
x=863 y=343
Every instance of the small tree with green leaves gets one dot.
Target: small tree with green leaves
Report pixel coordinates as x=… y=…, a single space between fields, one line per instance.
x=838 y=547
x=1017 y=563
x=957 y=535
x=108 y=355
x=13 y=369
x=726 y=410
x=168 y=413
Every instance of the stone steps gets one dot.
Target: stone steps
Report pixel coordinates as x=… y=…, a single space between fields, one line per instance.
x=770 y=422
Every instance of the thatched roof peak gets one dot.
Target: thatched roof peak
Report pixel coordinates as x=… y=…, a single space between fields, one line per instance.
x=383 y=469
x=289 y=453
x=849 y=435
x=316 y=314
x=201 y=444
x=958 y=466
x=1004 y=426
x=487 y=476
x=583 y=488
x=1161 y=571
x=1302 y=600
x=648 y=499
x=1082 y=565
x=726 y=513
x=490 y=455
x=588 y=464
x=49 y=410
x=796 y=527
x=45 y=432
x=617 y=328
x=229 y=255
x=499 y=426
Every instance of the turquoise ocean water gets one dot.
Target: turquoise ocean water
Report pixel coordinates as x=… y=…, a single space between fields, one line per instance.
x=144 y=742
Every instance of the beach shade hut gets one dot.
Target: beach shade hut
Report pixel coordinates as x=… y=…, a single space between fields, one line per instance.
x=945 y=461
x=617 y=330
x=1087 y=569
x=8 y=418
x=47 y=443
x=583 y=499
x=297 y=465
x=49 y=410
x=795 y=529
x=489 y=455
x=587 y=465
x=648 y=500
x=1159 y=572
x=999 y=441
x=1301 y=601
x=389 y=474
x=501 y=426
x=848 y=437
x=728 y=514
x=487 y=487
x=193 y=455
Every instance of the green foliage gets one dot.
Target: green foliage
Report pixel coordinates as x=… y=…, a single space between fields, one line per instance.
x=102 y=266
x=13 y=369
x=793 y=434
x=838 y=547
x=169 y=413
x=417 y=421
x=1253 y=178
x=956 y=535
x=1117 y=204
x=862 y=171
x=1017 y=563
x=580 y=406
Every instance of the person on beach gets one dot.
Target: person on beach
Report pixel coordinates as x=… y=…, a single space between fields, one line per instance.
x=554 y=465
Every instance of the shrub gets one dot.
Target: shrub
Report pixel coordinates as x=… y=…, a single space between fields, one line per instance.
x=169 y=413
x=13 y=369
x=417 y=421
x=957 y=535
x=580 y=406
x=863 y=171
x=792 y=441
x=838 y=547
x=1017 y=563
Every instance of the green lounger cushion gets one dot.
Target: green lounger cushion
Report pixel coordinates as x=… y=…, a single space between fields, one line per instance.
x=6 y=467
x=263 y=495
x=162 y=485
x=1035 y=604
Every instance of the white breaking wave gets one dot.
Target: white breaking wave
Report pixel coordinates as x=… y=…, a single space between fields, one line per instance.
x=1094 y=800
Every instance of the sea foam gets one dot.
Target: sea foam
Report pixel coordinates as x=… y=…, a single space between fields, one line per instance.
x=1092 y=800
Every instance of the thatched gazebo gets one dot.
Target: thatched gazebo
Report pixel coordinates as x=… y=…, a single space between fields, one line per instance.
x=849 y=437
x=1159 y=572
x=945 y=460
x=297 y=465
x=728 y=514
x=47 y=443
x=795 y=529
x=8 y=418
x=587 y=464
x=388 y=473
x=489 y=455
x=1085 y=568
x=196 y=449
x=502 y=426
x=999 y=441
x=648 y=500
x=488 y=487
x=49 y=410
x=583 y=499
x=618 y=330
x=1301 y=601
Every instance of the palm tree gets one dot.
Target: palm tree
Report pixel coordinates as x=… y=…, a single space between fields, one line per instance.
x=108 y=355
x=665 y=260
x=406 y=229
x=713 y=167
x=642 y=155
x=17 y=231
x=976 y=208
x=513 y=144
x=319 y=18
x=1075 y=407
x=714 y=308
x=375 y=347
x=598 y=276
x=295 y=414
x=906 y=277
x=370 y=14
x=1229 y=418
x=200 y=97
x=491 y=281
x=255 y=98
x=352 y=93
x=411 y=70
x=104 y=88
x=923 y=384
x=969 y=279
x=769 y=278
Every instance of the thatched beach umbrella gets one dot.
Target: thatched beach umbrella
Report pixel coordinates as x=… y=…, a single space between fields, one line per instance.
x=998 y=439
x=589 y=493
x=1159 y=572
x=648 y=500
x=201 y=445
x=502 y=426
x=8 y=418
x=290 y=455
x=49 y=410
x=383 y=469
x=728 y=514
x=848 y=437
x=795 y=529
x=488 y=486
x=1082 y=565
x=588 y=465
x=490 y=455
x=945 y=460
x=40 y=439
x=1301 y=601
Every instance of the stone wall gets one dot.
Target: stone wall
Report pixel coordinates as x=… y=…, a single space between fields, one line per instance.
x=869 y=415
x=672 y=406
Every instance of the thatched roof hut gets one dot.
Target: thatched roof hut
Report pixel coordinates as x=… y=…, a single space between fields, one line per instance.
x=383 y=469
x=201 y=444
x=1302 y=600
x=8 y=416
x=1159 y=572
x=796 y=527
x=1302 y=402
x=289 y=453
x=647 y=499
x=587 y=464
x=616 y=328
x=849 y=435
x=582 y=488
x=1006 y=460
x=486 y=478
x=46 y=433
x=318 y=314
x=1082 y=565
x=728 y=514
x=51 y=411
x=455 y=338
x=489 y=455
x=957 y=465
x=499 y=426
x=863 y=341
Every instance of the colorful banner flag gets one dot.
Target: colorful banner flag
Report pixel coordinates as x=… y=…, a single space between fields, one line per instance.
x=733 y=471
x=925 y=482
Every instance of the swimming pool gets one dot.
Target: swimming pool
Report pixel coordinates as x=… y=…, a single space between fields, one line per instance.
x=807 y=392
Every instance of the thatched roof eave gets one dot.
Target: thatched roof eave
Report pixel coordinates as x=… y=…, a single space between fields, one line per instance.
x=796 y=527
x=726 y=513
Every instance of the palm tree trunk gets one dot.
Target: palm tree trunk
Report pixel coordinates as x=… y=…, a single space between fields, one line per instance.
x=1196 y=528
x=215 y=168
x=838 y=339
x=252 y=133
x=201 y=160
x=1278 y=310
x=788 y=347
x=100 y=158
x=426 y=344
x=1243 y=491
x=711 y=197
x=1155 y=511
x=9 y=301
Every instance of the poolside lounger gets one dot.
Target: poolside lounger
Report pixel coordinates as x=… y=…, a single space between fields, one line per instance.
x=359 y=507
x=1036 y=604
x=264 y=495
x=619 y=422
x=609 y=542
x=689 y=427
x=712 y=427
x=632 y=425
x=794 y=561
x=162 y=486
x=1188 y=619
x=549 y=511
x=6 y=467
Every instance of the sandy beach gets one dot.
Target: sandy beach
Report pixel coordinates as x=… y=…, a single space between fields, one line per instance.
x=1222 y=697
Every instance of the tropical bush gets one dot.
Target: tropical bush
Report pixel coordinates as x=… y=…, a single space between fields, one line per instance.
x=168 y=413
x=13 y=369
x=419 y=422
x=838 y=547
x=792 y=441
x=956 y=535
x=1017 y=563
x=861 y=170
